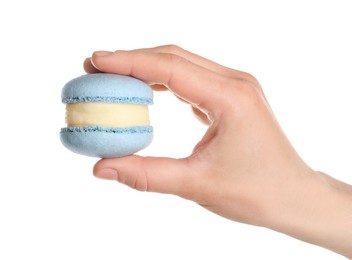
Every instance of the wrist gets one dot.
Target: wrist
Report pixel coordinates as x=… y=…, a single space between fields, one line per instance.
x=317 y=209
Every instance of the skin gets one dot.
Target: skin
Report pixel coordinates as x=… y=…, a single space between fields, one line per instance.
x=244 y=168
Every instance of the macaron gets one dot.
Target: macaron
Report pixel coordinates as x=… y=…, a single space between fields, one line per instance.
x=106 y=115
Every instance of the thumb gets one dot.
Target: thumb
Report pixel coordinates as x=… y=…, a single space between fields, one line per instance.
x=164 y=175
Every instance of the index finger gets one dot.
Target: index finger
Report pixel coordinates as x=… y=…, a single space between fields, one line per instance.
x=191 y=82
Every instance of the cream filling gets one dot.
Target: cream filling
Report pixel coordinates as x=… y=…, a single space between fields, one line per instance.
x=106 y=114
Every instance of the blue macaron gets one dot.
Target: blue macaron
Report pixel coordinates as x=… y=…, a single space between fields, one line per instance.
x=100 y=141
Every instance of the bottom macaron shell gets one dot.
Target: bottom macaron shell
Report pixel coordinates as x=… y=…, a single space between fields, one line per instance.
x=106 y=142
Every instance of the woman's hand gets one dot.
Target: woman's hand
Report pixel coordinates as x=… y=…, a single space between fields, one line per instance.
x=244 y=168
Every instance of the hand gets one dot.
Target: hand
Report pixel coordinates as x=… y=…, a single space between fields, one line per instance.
x=244 y=168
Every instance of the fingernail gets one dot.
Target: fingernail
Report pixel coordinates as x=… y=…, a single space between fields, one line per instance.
x=107 y=174
x=102 y=53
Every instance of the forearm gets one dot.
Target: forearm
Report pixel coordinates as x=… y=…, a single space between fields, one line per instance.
x=319 y=213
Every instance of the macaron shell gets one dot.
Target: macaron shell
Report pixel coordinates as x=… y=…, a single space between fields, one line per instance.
x=105 y=87
x=106 y=142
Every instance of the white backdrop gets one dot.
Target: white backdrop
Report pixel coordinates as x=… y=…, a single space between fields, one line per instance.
x=51 y=207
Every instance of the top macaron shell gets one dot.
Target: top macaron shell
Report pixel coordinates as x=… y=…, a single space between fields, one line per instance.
x=106 y=142
x=105 y=87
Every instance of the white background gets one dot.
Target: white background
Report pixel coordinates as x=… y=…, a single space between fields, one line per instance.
x=51 y=207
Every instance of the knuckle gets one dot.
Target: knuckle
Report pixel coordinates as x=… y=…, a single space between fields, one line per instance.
x=172 y=48
x=140 y=183
x=171 y=65
x=141 y=179
x=172 y=58
x=243 y=94
x=249 y=93
x=249 y=77
x=136 y=177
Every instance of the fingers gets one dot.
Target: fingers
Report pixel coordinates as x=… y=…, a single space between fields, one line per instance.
x=191 y=82
x=89 y=67
x=196 y=59
x=163 y=175
x=201 y=61
x=158 y=87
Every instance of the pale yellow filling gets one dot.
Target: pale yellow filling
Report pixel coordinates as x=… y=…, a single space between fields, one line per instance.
x=106 y=114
